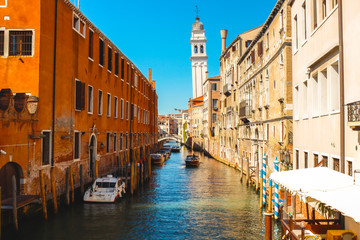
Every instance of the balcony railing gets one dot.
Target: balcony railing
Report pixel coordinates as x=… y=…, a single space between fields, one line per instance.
x=227 y=89
x=354 y=112
x=245 y=109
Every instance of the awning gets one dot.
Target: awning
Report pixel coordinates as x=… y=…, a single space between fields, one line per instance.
x=334 y=189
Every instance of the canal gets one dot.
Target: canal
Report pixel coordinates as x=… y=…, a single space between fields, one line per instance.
x=208 y=202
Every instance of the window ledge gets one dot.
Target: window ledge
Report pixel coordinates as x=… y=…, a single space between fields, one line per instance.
x=116 y=75
x=324 y=20
x=92 y=60
x=101 y=65
x=90 y=113
x=304 y=42
x=334 y=112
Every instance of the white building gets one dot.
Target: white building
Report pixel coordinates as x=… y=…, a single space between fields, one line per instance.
x=198 y=57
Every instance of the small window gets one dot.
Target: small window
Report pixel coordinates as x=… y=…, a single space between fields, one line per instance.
x=127 y=110
x=122 y=69
x=79 y=25
x=108 y=105
x=91 y=41
x=349 y=168
x=306 y=160
x=109 y=59
x=336 y=164
x=325 y=161
x=117 y=64
x=20 y=43
x=79 y=95
x=101 y=52
x=116 y=107
x=121 y=142
x=260 y=48
x=314 y=13
x=296 y=44
x=297 y=158
x=90 y=99
x=115 y=142
x=316 y=159
x=323 y=9
x=214 y=117
x=100 y=102
x=127 y=141
x=122 y=108
x=214 y=87
x=305 y=99
x=201 y=49
x=135 y=110
x=304 y=20
x=136 y=80
x=107 y=142
x=247 y=43
x=46 y=148
x=195 y=49
x=77 y=145
x=1 y=43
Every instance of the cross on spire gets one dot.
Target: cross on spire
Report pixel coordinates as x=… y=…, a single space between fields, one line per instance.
x=197 y=12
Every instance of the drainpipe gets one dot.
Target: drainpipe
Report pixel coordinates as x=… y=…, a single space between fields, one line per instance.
x=342 y=101
x=54 y=82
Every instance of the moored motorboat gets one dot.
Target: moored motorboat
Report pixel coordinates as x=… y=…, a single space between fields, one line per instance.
x=192 y=161
x=176 y=148
x=105 y=190
x=157 y=159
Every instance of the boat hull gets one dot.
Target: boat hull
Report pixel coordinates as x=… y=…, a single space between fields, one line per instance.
x=193 y=163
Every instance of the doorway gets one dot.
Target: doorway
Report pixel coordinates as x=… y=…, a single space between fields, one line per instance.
x=6 y=174
x=92 y=155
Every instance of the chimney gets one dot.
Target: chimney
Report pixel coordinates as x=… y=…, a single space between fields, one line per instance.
x=223 y=39
x=207 y=74
x=150 y=73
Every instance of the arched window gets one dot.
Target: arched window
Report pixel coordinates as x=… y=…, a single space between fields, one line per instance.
x=195 y=49
x=201 y=49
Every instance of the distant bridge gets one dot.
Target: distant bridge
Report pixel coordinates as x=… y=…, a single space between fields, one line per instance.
x=170 y=137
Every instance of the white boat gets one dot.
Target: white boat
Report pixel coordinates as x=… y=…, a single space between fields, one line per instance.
x=105 y=190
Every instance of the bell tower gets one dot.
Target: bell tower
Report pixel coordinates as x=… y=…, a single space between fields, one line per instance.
x=198 y=57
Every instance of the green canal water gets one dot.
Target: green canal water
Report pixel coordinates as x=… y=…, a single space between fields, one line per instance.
x=208 y=202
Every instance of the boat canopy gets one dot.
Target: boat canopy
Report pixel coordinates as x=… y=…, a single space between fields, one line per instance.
x=336 y=190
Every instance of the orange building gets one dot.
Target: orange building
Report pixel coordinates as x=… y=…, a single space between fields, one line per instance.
x=79 y=100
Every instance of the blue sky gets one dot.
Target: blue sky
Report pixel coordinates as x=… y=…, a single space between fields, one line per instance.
x=156 y=34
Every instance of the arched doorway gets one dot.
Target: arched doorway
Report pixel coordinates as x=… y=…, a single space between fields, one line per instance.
x=6 y=174
x=92 y=155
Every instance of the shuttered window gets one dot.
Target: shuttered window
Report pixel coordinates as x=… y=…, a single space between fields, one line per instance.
x=260 y=48
x=122 y=68
x=115 y=142
x=252 y=56
x=110 y=59
x=80 y=95
x=101 y=52
x=91 y=34
x=107 y=142
x=116 y=64
x=1 y=43
x=46 y=148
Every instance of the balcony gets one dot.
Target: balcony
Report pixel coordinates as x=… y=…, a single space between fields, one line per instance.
x=227 y=89
x=354 y=115
x=245 y=110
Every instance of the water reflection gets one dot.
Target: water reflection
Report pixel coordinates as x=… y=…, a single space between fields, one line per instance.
x=208 y=202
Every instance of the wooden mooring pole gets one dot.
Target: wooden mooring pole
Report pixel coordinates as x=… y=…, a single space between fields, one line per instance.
x=72 y=184
x=81 y=181
x=67 y=190
x=268 y=225
x=0 y=213
x=43 y=194
x=53 y=189
x=242 y=168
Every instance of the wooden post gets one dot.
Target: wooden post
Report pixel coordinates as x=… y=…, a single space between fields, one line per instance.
x=257 y=175
x=268 y=225
x=96 y=169
x=302 y=230
x=293 y=205
x=286 y=201
x=242 y=168
x=149 y=166
x=43 y=194
x=53 y=189
x=248 y=172
x=72 y=184
x=67 y=190
x=0 y=213
x=81 y=181
x=132 y=178
x=261 y=192
x=270 y=196
x=14 y=205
